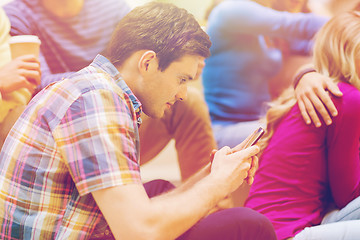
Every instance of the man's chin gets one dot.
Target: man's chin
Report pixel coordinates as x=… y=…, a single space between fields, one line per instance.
x=155 y=115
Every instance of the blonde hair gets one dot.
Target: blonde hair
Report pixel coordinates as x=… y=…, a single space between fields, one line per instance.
x=337 y=48
x=335 y=54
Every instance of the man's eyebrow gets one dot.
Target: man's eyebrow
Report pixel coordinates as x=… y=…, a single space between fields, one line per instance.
x=189 y=77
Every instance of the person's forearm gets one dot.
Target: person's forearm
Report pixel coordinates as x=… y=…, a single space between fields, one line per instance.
x=144 y=218
x=203 y=172
x=177 y=210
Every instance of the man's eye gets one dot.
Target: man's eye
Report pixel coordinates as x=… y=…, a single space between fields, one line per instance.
x=183 y=80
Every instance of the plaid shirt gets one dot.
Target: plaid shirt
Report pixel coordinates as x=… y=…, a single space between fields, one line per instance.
x=75 y=137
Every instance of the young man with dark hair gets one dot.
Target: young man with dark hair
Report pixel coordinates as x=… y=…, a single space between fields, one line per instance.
x=70 y=166
x=72 y=33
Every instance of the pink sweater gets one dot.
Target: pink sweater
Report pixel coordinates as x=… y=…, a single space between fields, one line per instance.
x=304 y=168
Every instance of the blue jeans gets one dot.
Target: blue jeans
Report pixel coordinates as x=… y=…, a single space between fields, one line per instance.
x=336 y=225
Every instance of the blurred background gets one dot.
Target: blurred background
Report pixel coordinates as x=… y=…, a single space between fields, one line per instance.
x=165 y=165
x=198 y=7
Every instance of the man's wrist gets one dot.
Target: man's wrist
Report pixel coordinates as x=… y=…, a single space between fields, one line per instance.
x=300 y=74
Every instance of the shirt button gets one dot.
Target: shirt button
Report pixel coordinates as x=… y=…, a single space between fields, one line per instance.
x=107 y=232
x=139 y=120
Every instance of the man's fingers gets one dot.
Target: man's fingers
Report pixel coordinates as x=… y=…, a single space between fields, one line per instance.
x=250 y=180
x=252 y=170
x=212 y=154
x=246 y=153
x=241 y=145
x=243 y=154
x=254 y=165
x=223 y=151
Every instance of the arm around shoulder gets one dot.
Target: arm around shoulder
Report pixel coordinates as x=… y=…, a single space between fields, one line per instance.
x=311 y=91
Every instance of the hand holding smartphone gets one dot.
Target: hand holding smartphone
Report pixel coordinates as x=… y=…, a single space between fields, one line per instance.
x=255 y=136
x=253 y=139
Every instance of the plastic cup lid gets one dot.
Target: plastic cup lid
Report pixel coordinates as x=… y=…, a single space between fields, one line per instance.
x=24 y=38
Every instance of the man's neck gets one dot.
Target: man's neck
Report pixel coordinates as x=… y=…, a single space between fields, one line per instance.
x=63 y=8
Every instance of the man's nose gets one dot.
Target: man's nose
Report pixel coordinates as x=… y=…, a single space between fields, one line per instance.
x=182 y=94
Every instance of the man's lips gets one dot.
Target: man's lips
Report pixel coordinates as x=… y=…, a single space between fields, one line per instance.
x=169 y=105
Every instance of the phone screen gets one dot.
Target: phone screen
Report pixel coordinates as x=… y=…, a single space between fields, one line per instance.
x=255 y=136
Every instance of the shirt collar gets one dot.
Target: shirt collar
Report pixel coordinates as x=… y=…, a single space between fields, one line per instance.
x=104 y=64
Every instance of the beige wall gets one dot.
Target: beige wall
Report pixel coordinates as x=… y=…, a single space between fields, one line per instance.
x=3 y=2
x=196 y=7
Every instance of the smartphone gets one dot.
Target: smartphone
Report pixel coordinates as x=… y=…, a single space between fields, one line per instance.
x=255 y=136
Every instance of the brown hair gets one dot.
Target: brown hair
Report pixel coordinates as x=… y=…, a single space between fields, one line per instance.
x=169 y=31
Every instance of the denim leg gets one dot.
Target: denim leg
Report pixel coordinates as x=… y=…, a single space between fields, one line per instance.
x=349 y=212
x=345 y=230
x=336 y=225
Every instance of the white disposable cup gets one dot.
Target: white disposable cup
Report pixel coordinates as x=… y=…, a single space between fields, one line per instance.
x=23 y=45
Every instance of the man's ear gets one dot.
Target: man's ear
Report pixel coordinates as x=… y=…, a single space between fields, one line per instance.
x=148 y=62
